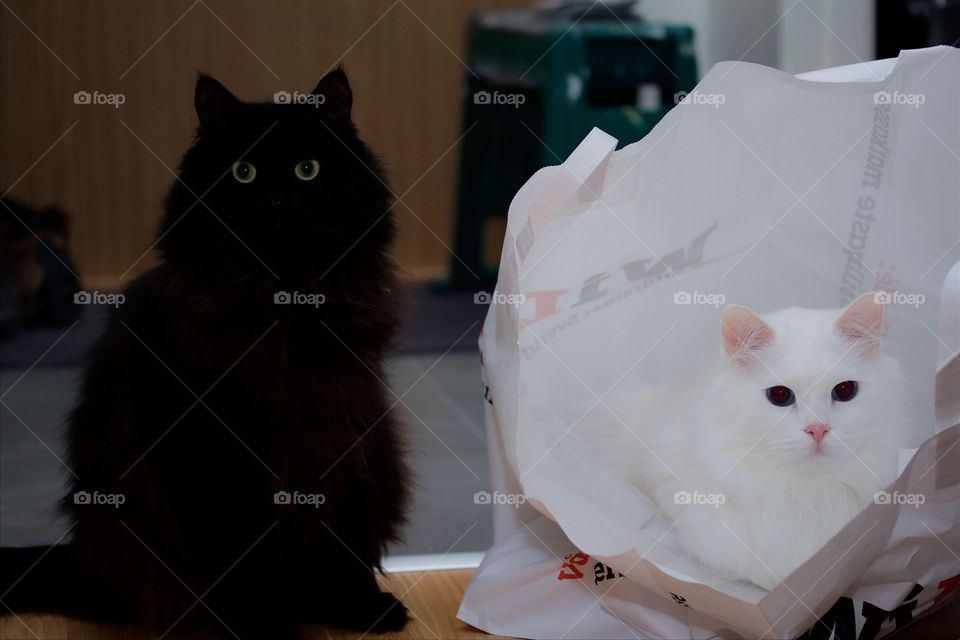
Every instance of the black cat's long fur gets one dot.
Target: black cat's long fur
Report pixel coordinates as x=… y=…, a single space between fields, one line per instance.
x=208 y=396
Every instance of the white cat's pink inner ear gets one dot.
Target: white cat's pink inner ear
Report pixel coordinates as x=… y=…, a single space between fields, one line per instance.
x=863 y=319
x=743 y=331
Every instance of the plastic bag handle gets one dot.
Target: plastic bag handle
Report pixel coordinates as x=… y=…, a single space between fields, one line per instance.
x=563 y=184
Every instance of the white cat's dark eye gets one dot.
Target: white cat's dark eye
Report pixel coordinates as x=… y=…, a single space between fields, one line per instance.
x=845 y=391
x=781 y=396
x=244 y=172
x=307 y=169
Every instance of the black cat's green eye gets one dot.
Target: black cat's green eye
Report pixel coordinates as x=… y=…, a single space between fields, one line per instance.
x=244 y=171
x=307 y=169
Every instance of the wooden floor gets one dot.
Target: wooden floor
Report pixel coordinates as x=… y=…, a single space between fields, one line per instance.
x=433 y=599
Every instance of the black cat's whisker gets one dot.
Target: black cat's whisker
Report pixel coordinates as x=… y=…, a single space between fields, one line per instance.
x=326 y=228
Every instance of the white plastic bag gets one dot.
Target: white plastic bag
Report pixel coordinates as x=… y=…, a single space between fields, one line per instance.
x=775 y=190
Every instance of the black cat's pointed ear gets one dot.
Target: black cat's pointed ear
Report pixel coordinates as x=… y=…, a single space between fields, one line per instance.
x=334 y=89
x=212 y=100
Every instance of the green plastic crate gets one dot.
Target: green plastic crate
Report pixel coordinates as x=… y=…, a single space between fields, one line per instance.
x=541 y=83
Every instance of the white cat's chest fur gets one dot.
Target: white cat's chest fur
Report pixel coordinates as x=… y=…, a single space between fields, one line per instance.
x=763 y=528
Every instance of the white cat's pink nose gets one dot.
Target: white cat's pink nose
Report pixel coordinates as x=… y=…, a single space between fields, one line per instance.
x=817 y=431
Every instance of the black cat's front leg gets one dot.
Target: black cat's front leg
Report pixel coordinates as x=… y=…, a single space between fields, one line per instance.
x=361 y=605
x=348 y=596
x=250 y=602
x=337 y=585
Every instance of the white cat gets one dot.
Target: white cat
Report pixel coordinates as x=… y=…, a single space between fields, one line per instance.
x=762 y=456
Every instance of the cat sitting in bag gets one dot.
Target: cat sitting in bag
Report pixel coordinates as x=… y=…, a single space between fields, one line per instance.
x=761 y=456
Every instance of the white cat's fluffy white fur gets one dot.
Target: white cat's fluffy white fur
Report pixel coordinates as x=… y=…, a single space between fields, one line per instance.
x=790 y=476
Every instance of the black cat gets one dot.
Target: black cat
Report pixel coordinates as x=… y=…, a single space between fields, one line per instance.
x=236 y=462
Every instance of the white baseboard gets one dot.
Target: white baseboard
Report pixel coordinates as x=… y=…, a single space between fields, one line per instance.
x=433 y=562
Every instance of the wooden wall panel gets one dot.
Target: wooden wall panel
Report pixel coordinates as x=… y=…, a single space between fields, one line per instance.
x=109 y=170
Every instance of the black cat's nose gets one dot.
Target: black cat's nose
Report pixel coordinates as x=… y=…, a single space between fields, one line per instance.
x=276 y=202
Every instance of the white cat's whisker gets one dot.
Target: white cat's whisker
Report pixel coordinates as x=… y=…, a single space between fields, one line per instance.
x=840 y=439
